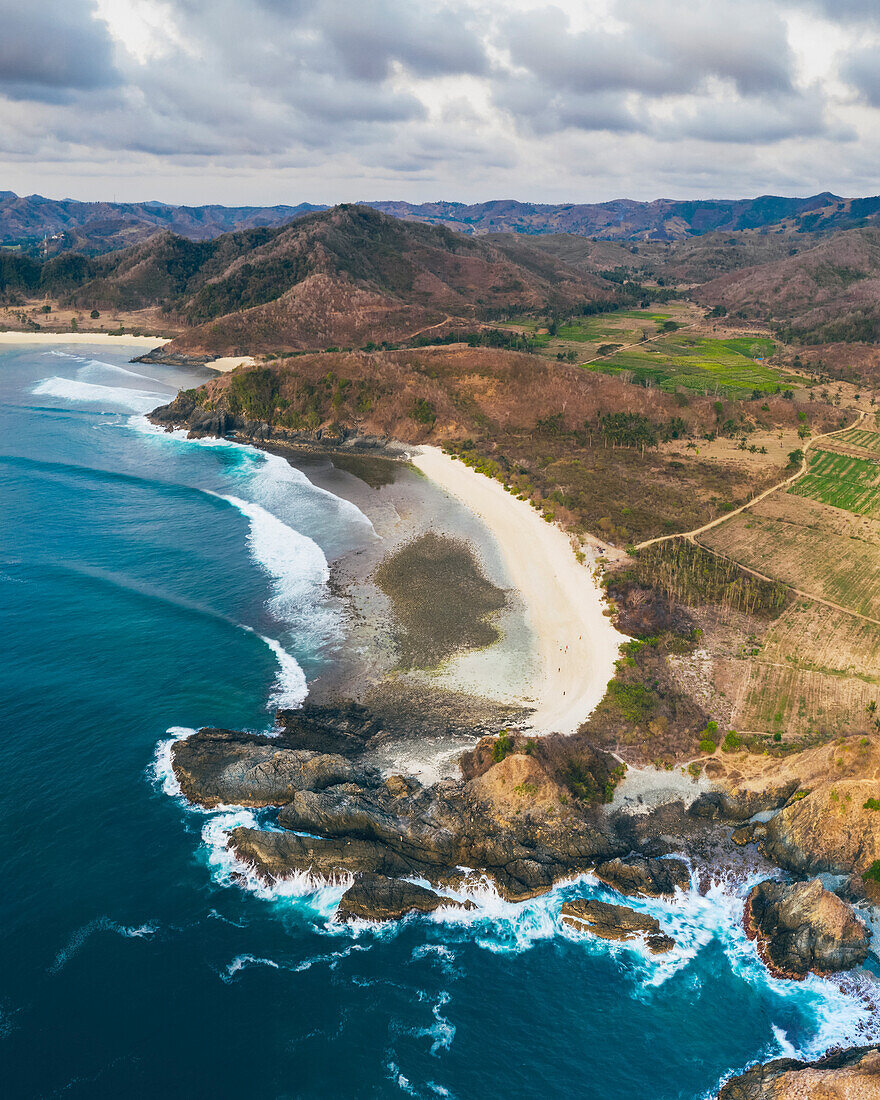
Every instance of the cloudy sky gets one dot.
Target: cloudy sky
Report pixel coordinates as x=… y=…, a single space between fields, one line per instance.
x=265 y=101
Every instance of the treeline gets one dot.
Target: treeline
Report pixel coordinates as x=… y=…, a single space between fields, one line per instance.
x=21 y=274
x=257 y=394
x=620 y=429
x=489 y=338
x=690 y=575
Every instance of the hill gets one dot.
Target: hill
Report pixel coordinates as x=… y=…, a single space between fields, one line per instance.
x=626 y=219
x=348 y=276
x=592 y=450
x=828 y=293
x=50 y=226
x=46 y=227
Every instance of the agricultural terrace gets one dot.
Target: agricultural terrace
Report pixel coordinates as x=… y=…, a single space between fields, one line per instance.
x=813 y=675
x=860 y=438
x=732 y=368
x=842 y=481
x=808 y=545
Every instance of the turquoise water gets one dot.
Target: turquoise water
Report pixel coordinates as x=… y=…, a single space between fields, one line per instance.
x=149 y=584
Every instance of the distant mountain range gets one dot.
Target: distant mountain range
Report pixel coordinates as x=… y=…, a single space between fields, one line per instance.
x=50 y=226
x=346 y=276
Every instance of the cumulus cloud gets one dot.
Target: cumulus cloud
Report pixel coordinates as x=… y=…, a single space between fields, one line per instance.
x=455 y=95
x=51 y=51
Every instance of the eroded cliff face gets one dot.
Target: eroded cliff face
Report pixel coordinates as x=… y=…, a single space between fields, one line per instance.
x=826 y=797
x=850 y=1075
x=801 y=927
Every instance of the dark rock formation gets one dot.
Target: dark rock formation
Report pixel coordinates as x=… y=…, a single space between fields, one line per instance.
x=852 y=1074
x=377 y=898
x=449 y=825
x=616 y=922
x=217 y=766
x=346 y=728
x=199 y=420
x=511 y=822
x=802 y=927
x=637 y=875
x=741 y=804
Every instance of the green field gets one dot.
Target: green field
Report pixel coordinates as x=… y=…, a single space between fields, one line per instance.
x=699 y=363
x=842 y=481
x=625 y=326
x=859 y=437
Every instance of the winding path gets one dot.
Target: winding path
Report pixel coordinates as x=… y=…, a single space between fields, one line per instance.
x=766 y=493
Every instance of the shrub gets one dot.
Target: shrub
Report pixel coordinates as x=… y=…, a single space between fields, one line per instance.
x=872 y=804
x=873 y=872
x=777 y=736
x=732 y=742
x=707 y=746
x=503 y=747
x=423 y=412
x=94 y=315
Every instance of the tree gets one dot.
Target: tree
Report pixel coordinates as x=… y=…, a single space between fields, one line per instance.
x=795 y=458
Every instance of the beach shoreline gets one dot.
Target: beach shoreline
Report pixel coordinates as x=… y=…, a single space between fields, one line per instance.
x=577 y=645
x=10 y=336
x=83 y=336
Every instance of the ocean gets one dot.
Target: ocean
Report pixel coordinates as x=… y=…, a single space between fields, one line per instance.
x=152 y=585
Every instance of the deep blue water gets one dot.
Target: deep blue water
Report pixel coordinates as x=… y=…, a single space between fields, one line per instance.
x=136 y=598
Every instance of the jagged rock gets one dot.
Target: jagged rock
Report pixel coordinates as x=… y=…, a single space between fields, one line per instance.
x=741 y=804
x=377 y=898
x=446 y=826
x=829 y=829
x=637 y=875
x=749 y=834
x=346 y=728
x=852 y=1074
x=616 y=922
x=802 y=927
x=216 y=766
x=275 y=856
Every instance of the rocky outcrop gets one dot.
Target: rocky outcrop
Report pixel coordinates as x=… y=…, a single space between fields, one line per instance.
x=216 y=767
x=831 y=828
x=637 y=875
x=852 y=1074
x=741 y=804
x=377 y=898
x=802 y=927
x=337 y=817
x=205 y=420
x=346 y=728
x=616 y=922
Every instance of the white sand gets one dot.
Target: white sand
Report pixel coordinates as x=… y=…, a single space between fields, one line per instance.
x=81 y=337
x=223 y=364
x=230 y=362
x=576 y=643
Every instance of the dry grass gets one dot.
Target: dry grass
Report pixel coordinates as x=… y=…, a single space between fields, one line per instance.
x=814 y=547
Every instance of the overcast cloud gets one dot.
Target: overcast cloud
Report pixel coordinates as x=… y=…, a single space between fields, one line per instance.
x=259 y=101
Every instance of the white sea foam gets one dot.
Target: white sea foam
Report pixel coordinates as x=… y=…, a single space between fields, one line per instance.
x=241 y=961
x=100 y=924
x=441 y=1032
x=119 y=397
x=91 y=367
x=318 y=895
x=161 y=769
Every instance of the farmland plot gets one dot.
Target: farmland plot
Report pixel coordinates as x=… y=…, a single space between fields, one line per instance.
x=843 y=481
x=862 y=438
x=808 y=551
x=814 y=675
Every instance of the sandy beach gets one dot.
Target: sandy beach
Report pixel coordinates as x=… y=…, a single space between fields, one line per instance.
x=223 y=364
x=577 y=644
x=81 y=338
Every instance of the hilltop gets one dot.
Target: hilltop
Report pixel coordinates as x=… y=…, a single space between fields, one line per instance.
x=47 y=227
x=828 y=293
x=346 y=276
